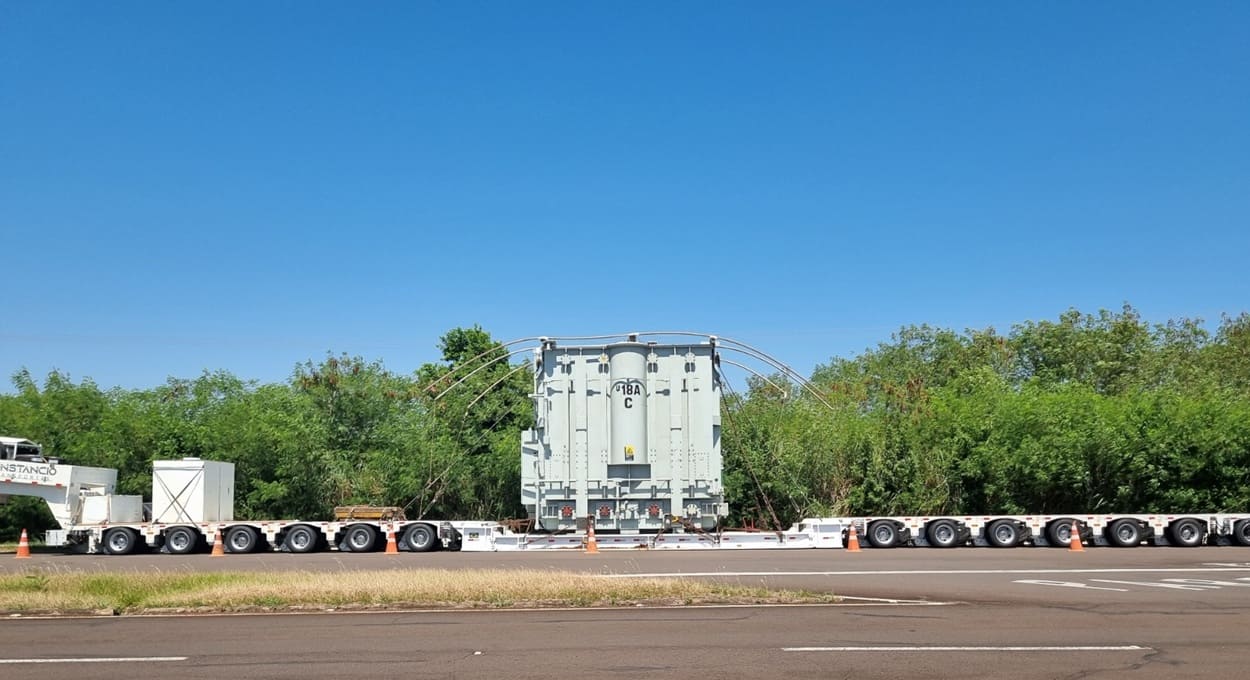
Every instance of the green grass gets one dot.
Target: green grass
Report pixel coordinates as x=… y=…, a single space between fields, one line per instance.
x=42 y=591
x=35 y=547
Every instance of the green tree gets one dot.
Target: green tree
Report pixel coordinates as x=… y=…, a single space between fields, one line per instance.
x=477 y=402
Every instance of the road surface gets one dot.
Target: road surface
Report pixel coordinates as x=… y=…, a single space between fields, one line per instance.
x=964 y=613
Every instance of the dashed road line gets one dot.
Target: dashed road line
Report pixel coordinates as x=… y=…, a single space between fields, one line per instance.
x=1065 y=584
x=99 y=659
x=891 y=601
x=923 y=648
x=933 y=572
x=1167 y=583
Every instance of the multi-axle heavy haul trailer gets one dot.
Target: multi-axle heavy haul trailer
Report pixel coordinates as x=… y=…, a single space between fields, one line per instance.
x=192 y=507
x=625 y=447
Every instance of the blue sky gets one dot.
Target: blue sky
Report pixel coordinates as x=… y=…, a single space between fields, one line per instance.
x=244 y=186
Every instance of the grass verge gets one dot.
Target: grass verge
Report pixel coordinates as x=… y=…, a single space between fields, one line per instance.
x=9 y=549
x=148 y=592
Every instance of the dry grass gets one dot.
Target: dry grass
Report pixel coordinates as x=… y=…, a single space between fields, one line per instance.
x=242 y=591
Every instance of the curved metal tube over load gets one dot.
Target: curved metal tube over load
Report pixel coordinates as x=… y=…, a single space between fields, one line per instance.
x=627 y=429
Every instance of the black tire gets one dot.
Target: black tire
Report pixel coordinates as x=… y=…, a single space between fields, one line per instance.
x=883 y=534
x=182 y=540
x=301 y=539
x=942 y=533
x=1124 y=533
x=1059 y=532
x=1241 y=532
x=1004 y=533
x=359 y=538
x=120 y=541
x=241 y=540
x=419 y=538
x=1187 y=532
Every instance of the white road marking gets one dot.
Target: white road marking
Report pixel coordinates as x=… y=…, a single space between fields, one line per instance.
x=1079 y=648
x=1067 y=584
x=1209 y=582
x=890 y=600
x=932 y=572
x=1149 y=584
x=114 y=659
x=1172 y=583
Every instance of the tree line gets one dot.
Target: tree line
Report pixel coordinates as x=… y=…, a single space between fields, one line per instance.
x=340 y=431
x=1088 y=412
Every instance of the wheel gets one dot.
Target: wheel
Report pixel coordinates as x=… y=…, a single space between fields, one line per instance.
x=182 y=540
x=120 y=541
x=360 y=538
x=942 y=533
x=1125 y=533
x=883 y=534
x=241 y=539
x=300 y=539
x=1004 y=533
x=419 y=538
x=1241 y=532
x=1059 y=532
x=1187 y=532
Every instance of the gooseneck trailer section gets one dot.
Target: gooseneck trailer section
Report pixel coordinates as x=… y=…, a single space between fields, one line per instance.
x=625 y=447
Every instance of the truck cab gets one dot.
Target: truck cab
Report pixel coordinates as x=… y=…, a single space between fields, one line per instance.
x=12 y=448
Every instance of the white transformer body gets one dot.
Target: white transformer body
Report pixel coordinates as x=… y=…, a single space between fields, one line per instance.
x=192 y=490
x=627 y=433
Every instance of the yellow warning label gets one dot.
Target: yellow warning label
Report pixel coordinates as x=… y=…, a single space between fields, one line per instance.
x=629 y=453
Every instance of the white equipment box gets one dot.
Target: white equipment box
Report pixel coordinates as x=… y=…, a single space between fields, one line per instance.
x=192 y=490
x=112 y=509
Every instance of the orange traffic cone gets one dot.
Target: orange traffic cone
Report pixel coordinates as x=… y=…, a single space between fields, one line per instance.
x=1074 y=543
x=852 y=539
x=592 y=545
x=23 y=547
x=219 y=545
x=392 y=547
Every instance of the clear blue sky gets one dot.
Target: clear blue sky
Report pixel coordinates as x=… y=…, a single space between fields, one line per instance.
x=244 y=186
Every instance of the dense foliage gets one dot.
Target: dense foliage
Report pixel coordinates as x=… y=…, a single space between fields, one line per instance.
x=342 y=431
x=1099 y=413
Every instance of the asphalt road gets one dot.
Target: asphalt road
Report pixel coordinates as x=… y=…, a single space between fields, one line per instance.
x=930 y=641
x=964 y=613
x=965 y=574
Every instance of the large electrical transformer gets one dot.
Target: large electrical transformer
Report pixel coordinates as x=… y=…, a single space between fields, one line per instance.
x=627 y=433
